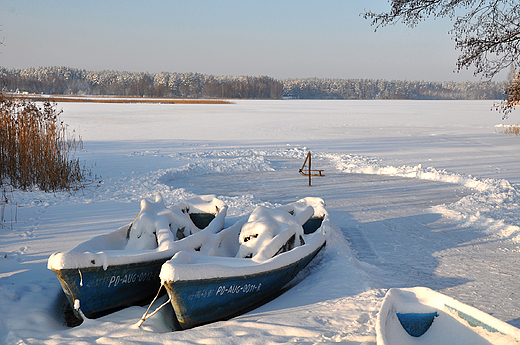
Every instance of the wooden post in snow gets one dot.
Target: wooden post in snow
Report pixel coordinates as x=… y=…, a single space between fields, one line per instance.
x=309 y=169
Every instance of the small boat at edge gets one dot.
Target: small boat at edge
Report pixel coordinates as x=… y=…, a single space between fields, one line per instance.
x=422 y=316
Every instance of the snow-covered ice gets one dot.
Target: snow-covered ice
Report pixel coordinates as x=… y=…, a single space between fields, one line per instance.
x=423 y=193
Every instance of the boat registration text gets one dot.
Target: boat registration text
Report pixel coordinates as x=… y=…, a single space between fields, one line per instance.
x=223 y=290
x=130 y=278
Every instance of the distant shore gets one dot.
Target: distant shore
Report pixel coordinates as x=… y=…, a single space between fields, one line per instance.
x=116 y=99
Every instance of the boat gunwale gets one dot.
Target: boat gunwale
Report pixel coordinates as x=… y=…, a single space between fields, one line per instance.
x=293 y=263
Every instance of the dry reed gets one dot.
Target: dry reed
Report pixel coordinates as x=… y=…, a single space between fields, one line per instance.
x=512 y=130
x=35 y=148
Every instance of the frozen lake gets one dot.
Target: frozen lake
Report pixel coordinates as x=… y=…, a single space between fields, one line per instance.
x=423 y=193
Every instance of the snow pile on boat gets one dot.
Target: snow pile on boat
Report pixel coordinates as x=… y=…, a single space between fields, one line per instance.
x=267 y=231
x=155 y=233
x=158 y=224
x=269 y=239
x=153 y=225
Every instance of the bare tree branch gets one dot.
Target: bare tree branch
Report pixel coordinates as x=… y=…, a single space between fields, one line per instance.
x=487 y=32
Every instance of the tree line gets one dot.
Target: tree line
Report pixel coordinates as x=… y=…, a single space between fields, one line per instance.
x=70 y=81
x=395 y=89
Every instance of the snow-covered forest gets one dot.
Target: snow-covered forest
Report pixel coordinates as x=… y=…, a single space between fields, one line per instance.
x=71 y=81
x=314 y=88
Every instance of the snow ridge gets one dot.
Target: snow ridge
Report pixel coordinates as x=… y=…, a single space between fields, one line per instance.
x=493 y=207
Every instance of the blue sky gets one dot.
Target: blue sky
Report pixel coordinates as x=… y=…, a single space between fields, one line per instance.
x=281 y=39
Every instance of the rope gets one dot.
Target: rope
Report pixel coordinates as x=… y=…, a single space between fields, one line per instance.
x=145 y=316
x=130 y=227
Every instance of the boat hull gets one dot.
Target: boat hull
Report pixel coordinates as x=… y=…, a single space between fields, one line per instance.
x=101 y=291
x=198 y=302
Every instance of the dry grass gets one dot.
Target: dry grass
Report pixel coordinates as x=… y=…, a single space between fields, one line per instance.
x=90 y=99
x=35 y=148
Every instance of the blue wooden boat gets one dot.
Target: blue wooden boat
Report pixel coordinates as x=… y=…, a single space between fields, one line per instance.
x=122 y=268
x=423 y=316
x=234 y=273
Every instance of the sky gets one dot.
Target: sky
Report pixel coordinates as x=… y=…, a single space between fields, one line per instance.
x=278 y=38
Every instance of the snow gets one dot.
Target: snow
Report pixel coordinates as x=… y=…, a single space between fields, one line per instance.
x=192 y=265
x=266 y=232
x=420 y=193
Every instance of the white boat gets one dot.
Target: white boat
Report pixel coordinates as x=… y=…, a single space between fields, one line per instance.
x=422 y=316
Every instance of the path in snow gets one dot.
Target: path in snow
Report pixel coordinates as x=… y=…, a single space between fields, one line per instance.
x=397 y=239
